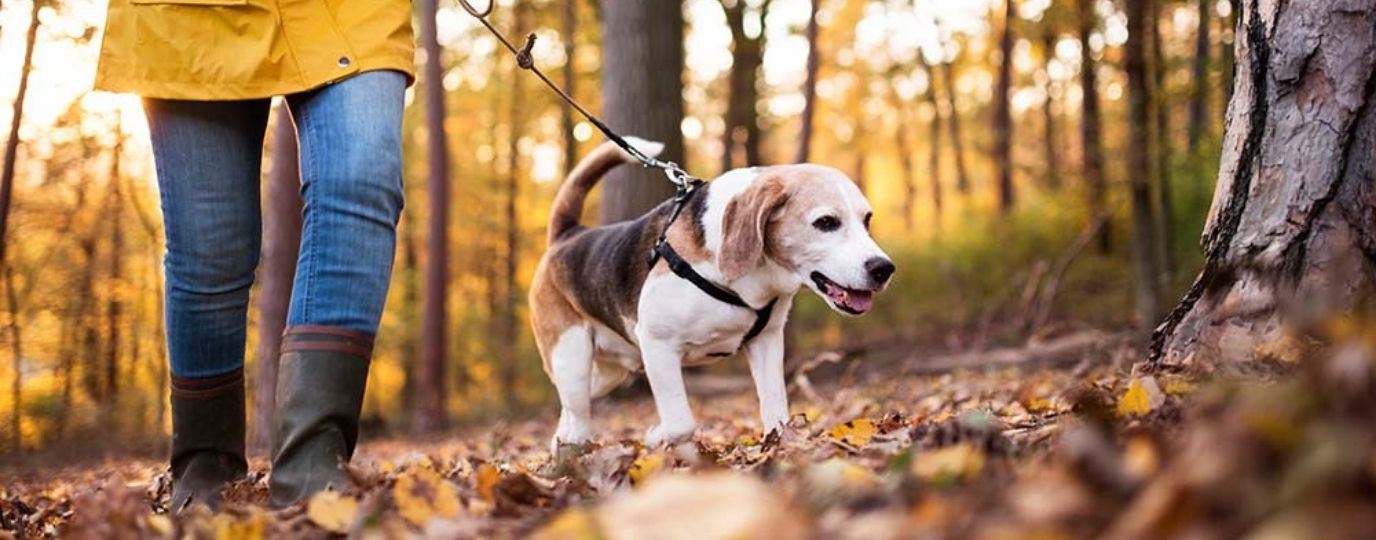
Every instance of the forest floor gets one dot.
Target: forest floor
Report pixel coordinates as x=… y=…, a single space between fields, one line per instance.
x=1056 y=441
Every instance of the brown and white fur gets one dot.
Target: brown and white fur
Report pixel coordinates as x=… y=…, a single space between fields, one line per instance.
x=599 y=313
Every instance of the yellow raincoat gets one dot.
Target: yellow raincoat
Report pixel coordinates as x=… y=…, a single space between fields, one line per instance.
x=242 y=49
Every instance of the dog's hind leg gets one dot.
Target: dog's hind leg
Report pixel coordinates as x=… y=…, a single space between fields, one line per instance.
x=570 y=366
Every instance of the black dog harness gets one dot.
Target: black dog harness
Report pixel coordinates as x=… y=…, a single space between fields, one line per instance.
x=684 y=269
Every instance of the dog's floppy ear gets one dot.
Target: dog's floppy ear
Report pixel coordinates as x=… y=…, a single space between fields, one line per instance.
x=743 y=227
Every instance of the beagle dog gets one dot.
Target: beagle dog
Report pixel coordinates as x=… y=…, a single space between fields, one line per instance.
x=599 y=312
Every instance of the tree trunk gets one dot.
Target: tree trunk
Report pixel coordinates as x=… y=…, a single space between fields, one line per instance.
x=1093 y=153
x=569 y=19
x=1291 y=235
x=742 y=119
x=1199 y=89
x=1164 y=216
x=430 y=399
x=905 y=161
x=114 y=307
x=953 y=121
x=1145 y=271
x=814 y=62
x=12 y=142
x=1003 y=114
x=1051 y=143
x=934 y=142
x=509 y=367
x=281 y=247
x=17 y=364
x=642 y=95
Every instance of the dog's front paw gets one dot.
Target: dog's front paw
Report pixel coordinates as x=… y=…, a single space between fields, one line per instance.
x=662 y=435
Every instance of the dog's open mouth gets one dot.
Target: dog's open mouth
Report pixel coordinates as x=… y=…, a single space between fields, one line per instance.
x=852 y=301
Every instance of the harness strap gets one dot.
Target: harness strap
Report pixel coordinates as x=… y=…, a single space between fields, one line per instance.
x=684 y=269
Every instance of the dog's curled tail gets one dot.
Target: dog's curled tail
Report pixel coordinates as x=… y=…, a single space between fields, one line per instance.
x=568 y=203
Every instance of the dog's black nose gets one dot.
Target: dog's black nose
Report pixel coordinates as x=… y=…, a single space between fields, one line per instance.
x=880 y=269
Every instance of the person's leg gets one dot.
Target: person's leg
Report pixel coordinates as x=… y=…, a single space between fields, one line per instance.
x=350 y=135
x=208 y=158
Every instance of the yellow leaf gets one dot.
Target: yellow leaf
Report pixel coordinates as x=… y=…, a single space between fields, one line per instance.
x=838 y=475
x=811 y=414
x=644 y=467
x=160 y=525
x=573 y=524
x=332 y=512
x=950 y=463
x=488 y=476
x=227 y=527
x=855 y=432
x=1039 y=405
x=1141 y=397
x=1176 y=387
x=423 y=495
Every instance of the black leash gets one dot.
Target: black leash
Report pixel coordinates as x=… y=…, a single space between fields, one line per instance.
x=685 y=184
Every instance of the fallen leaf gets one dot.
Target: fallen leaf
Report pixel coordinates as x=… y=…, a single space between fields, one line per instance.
x=1142 y=396
x=856 y=433
x=422 y=495
x=716 y=505
x=944 y=465
x=487 y=478
x=230 y=527
x=331 y=511
x=644 y=467
x=572 y=524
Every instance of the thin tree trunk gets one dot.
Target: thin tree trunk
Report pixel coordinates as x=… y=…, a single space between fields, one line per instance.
x=570 y=37
x=1291 y=235
x=1003 y=114
x=1199 y=89
x=17 y=364
x=1139 y=162
x=1051 y=142
x=509 y=366
x=1164 y=216
x=905 y=160
x=814 y=62
x=12 y=142
x=953 y=121
x=642 y=59
x=1095 y=185
x=114 y=307
x=430 y=398
x=742 y=119
x=281 y=247
x=934 y=142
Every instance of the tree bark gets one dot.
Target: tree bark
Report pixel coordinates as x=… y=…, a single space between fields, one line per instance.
x=1291 y=235
x=953 y=121
x=1093 y=152
x=742 y=118
x=1003 y=115
x=281 y=246
x=1199 y=90
x=1145 y=271
x=642 y=95
x=814 y=62
x=430 y=399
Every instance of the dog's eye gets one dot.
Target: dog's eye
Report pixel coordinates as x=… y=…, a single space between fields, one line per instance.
x=867 y=220
x=827 y=223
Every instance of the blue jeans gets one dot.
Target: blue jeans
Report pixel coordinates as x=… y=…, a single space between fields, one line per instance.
x=208 y=156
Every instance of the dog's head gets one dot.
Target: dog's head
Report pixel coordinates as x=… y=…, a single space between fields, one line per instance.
x=814 y=222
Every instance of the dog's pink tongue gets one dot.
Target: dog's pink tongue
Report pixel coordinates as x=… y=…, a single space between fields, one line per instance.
x=860 y=301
